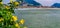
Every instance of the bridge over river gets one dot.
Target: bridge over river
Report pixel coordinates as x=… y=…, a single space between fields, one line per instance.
x=40 y=18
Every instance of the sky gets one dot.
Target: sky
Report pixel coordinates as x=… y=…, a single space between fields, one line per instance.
x=47 y=2
x=7 y=1
x=43 y=2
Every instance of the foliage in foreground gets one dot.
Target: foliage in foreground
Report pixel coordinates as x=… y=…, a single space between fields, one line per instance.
x=7 y=17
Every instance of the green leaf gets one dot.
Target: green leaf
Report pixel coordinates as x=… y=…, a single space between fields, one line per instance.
x=13 y=26
x=0 y=0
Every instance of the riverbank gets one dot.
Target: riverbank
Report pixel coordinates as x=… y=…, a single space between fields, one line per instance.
x=37 y=9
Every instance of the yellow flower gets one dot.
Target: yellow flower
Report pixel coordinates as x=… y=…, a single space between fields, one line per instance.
x=10 y=1
x=7 y=7
x=16 y=3
x=1 y=19
x=16 y=24
x=22 y=21
x=25 y=27
x=1 y=3
x=14 y=18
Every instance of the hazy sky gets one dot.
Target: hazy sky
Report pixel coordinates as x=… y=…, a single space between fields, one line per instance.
x=7 y=1
x=47 y=2
x=43 y=2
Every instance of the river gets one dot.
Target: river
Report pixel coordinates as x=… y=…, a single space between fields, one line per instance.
x=40 y=18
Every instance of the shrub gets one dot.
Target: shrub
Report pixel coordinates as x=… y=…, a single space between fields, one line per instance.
x=7 y=17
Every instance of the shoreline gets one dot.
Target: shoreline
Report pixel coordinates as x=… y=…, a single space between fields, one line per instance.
x=37 y=9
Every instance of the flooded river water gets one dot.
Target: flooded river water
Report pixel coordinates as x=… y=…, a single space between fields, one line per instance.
x=40 y=18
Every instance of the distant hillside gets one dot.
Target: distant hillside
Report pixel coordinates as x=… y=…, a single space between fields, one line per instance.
x=32 y=2
x=57 y=5
x=19 y=0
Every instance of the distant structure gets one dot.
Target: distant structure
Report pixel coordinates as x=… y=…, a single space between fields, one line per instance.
x=56 y=5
